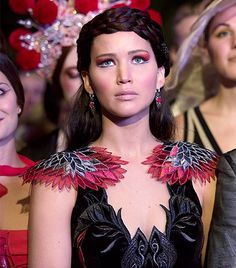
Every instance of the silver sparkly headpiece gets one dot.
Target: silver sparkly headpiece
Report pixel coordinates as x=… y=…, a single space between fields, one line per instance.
x=40 y=49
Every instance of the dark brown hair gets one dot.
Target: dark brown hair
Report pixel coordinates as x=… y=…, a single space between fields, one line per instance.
x=8 y=68
x=84 y=126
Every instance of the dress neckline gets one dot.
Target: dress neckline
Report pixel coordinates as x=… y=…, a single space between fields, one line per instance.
x=9 y=171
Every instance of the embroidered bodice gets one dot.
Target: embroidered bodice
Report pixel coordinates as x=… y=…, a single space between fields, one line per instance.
x=100 y=237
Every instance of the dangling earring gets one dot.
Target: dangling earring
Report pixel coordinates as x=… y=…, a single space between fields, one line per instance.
x=91 y=103
x=18 y=109
x=158 y=98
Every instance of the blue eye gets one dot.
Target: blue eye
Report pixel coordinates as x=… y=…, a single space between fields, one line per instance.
x=106 y=63
x=139 y=60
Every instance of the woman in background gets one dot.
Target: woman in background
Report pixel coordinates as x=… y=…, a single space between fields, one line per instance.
x=212 y=124
x=14 y=198
x=122 y=195
x=61 y=88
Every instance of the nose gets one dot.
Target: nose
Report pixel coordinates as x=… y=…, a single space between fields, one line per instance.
x=124 y=74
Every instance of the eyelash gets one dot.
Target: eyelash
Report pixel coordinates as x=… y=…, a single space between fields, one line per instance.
x=223 y=33
x=2 y=91
x=143 y=59
x=73 y=75
x=105 y=64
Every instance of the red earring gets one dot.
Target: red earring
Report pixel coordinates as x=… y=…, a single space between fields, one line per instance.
x=91 y=103
x=158 y=98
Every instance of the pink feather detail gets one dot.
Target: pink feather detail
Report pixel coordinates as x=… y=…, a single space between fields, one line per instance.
x=181 y=161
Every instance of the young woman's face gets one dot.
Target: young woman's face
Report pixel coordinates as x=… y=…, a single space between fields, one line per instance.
x=222 y=43
x=123 y=74
x=69 y=78
x=9 y=109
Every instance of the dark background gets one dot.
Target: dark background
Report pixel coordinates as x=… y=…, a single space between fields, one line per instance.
x=8 y=20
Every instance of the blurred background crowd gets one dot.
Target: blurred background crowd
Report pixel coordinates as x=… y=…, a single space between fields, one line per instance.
x=39 y=38
x=46 y=100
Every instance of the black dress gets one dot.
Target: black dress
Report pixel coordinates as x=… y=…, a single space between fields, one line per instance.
x=102 y=240
x=222 y=235
x=197 y=130
x=99 y=236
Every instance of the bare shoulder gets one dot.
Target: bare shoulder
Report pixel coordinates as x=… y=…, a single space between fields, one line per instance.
x=49 y=197
x=206 y=195
x=49 y=226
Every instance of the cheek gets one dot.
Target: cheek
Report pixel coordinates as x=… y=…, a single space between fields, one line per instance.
x=72 y=86
x=101 y=84
x=217 y=50
x=149 y=82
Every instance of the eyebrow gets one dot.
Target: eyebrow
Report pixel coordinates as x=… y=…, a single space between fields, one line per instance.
x=129 y=53
x=219 y=25
x=3 y=83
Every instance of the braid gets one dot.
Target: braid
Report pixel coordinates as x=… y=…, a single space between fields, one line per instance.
x=122 y=19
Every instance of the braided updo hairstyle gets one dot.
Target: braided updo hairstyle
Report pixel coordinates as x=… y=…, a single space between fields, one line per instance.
x=84 y=126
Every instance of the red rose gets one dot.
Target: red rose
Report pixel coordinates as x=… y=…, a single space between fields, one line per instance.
x=155 y=15
x=28 y=59
x=21 y=6
x=84 y=6
x=45 y=11
x=14 y=38
x=140 y=4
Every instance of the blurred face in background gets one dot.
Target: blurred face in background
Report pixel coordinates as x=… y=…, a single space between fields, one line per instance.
x=69 y=77
x=221 y=44
x=183 y=28
x=34 y=87
x=9 y=110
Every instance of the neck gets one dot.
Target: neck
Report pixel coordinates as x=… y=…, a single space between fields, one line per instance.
x=225 y=99
x=8 y=154
x=127 y=137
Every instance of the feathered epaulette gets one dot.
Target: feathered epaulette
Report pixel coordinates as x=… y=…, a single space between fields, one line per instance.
x=181 y=161
x=91 y=167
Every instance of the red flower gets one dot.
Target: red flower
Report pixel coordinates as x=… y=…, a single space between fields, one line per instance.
x=156 y=16
x=45 y=11
x=21 y=6
x=28 y=59
x=14 y=38
x=84 y=6
x=140 y=4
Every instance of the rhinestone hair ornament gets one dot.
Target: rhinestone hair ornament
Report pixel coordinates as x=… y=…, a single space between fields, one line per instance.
x=47 y=40
x=197 y=32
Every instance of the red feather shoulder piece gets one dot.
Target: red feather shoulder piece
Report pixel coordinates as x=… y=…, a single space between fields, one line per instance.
x=91 y=167
x=181 y=161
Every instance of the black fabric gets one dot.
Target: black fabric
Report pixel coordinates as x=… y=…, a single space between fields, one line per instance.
x=197 y=138
x=221 y=251
x=102 y=240
x=42 y=148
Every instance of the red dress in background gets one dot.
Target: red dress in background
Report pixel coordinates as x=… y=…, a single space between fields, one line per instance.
x=13 y=243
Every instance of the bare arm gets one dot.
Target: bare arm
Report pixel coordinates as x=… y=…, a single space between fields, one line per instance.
x=207 y=197
x=49 y=227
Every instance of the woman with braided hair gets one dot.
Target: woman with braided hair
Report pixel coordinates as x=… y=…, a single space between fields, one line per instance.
x=123 y=194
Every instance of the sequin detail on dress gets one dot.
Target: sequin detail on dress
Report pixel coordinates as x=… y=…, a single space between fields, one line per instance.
x=181 y=161
x=94 y=167
x=88 y=167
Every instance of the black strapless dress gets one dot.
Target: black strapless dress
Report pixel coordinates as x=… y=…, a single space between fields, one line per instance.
x=101 y=240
